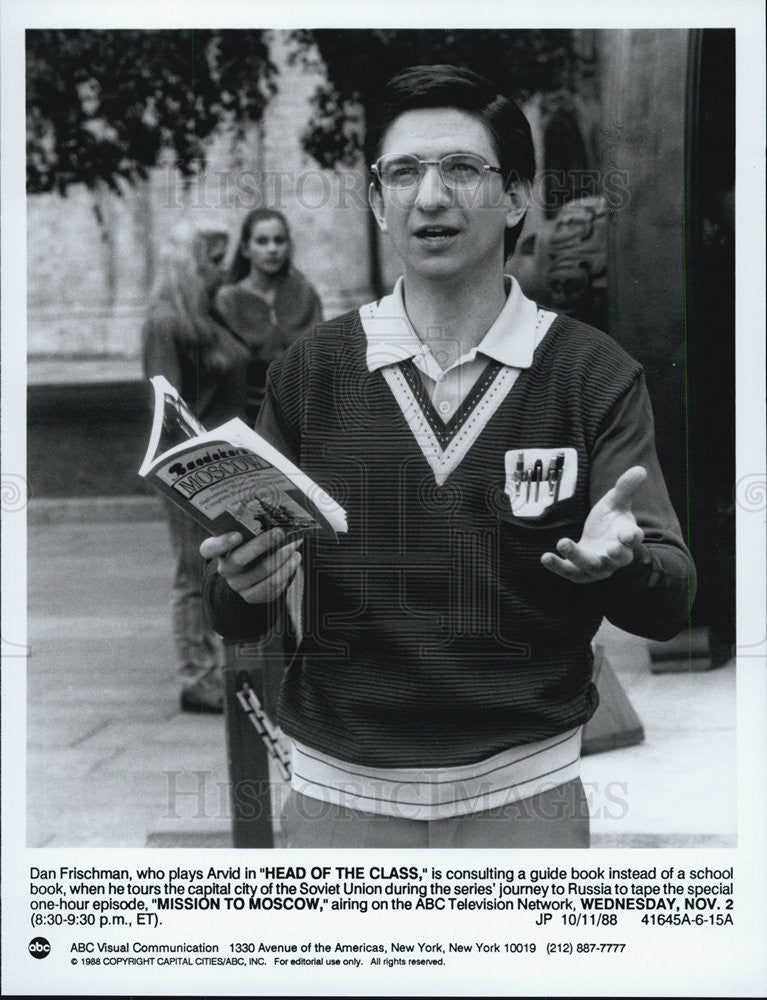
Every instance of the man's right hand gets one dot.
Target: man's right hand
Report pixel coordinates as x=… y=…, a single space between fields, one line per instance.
x=258 y=570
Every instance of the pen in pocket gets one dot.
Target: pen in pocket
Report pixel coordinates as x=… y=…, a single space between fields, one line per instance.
x=558 y=469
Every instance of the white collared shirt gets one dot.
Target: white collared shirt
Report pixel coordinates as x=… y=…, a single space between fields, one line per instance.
x=511 y=340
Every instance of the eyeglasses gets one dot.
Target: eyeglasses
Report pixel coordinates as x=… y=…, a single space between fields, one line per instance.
x=459 y=171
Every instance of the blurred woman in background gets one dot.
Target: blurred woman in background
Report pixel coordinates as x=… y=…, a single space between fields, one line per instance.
x=267 y=301
x=269 y=304
x=184 y=340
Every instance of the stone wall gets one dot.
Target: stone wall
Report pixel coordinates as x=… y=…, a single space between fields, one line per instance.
x=89 y=280
x=646 y=90
x=88 y=283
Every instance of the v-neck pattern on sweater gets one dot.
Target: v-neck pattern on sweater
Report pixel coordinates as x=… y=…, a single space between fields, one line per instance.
x=445 y=431
x=394 y=349
x=444 y=449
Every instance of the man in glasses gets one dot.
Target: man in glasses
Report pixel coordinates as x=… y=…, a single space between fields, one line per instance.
x=498 y=469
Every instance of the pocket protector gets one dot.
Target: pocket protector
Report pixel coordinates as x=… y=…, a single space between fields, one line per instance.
x=538 y=478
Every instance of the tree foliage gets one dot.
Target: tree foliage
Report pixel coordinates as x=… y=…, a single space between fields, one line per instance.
x=102 y=105
x=357 y=63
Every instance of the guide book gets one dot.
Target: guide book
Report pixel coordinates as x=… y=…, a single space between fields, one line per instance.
x=230 y=478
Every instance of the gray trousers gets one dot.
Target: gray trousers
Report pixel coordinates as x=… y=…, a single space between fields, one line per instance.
x=558 y=817
x=199 y=651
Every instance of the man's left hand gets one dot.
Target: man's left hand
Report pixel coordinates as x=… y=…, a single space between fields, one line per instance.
x=610 y=536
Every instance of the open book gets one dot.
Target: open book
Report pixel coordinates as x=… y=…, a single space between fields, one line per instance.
x=230 y=478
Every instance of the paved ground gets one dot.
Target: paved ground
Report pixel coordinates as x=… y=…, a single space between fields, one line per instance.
x=112 y=762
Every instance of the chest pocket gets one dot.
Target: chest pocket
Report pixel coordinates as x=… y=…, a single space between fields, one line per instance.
x=539 y=479
x=556 y=517
x=523 y=540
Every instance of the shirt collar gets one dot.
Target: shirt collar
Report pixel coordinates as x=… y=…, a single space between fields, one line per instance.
x=391 y=337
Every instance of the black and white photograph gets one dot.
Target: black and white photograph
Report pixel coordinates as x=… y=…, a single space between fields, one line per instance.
x=489 y=290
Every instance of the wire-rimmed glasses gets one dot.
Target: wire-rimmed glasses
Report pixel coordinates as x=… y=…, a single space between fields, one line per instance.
x=458 y=171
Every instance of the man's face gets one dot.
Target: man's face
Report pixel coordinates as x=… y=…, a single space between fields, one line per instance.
x=439 y=232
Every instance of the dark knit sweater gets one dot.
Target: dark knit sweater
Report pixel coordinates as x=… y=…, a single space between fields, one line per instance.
x=433 y=634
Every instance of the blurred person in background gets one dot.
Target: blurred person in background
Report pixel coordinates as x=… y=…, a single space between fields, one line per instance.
x=184 y=340
x=269 y=304
x=267 y=301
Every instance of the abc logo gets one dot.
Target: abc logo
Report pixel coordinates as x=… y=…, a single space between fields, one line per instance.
x=39 y=947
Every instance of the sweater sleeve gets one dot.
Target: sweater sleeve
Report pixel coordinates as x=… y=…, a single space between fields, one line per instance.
x=232 y=617
x=652 y=596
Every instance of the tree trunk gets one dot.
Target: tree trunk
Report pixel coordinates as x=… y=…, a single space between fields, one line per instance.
x=101 y=209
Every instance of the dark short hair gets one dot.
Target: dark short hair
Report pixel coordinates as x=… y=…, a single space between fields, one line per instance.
x=443 y=86
x=240 y=266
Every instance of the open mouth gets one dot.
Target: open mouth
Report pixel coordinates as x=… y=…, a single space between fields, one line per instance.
x=435 y=238
x=435 y=232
